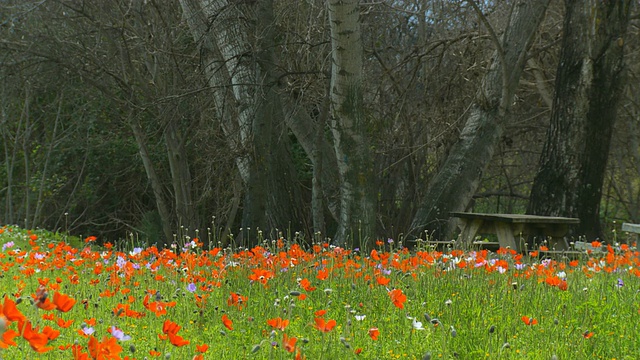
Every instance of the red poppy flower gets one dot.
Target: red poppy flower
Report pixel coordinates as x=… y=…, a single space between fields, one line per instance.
x=7 y=338
x=306 y=285
x=563 y=285
x=63 y=302
x=278 y=323
x=237 y=300
x=108 y=348
x=260 y=275
x=374 y=333
x=51 y=333
x=323 y=326
x=78 y=354
x=529 y=320
x=177 y=340
x=322 y=274
x=398 y=298
x=227 y=322
x=41 y=298
x=202 y=348
x=11 y=312
x=169 y=327
x=38 y=341
x=288 y=343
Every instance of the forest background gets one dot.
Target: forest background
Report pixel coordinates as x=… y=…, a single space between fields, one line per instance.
x=353 y=120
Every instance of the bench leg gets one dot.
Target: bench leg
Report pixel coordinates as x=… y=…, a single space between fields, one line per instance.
x=469 y=230
x=505 y=236
x=558 y=243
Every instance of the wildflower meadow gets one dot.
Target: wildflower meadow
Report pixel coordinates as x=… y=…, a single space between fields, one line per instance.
x=70 y=298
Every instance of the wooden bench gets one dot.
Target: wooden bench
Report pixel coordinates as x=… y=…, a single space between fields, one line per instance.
x=509 y=227
x=631 y=228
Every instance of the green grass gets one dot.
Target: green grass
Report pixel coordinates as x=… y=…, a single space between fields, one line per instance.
x=478 y=301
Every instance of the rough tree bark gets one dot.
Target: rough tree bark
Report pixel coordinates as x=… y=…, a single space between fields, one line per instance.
x=459 y=177
x=349 y=126
x=251 y=113
x=588 y=86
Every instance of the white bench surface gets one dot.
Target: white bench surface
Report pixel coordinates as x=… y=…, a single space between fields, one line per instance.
x=634 y=228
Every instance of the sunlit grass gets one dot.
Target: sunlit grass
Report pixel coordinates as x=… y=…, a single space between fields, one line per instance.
x=282 y=301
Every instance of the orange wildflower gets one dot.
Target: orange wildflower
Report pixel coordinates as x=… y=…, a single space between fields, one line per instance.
x=237 y=300
x=38 y=341
x=278 y=323
x=381 y=280
x=260 y=275
x=107 y=349
x=227 y=322
x=374 y=333
x=324 y=326
x=154 y=353
x=306 y=285
x=10 y=311
x=169 y=327
x=398 y=298
x=202 y=348
x=78 y=354
x=288 y=343
x=529 y=320
x=63 y=302
x=574 y=263
x=563 y=285
x=177 y=340
x=322 y=274
x=7 y=338
x=41 y=298
x=51 y=333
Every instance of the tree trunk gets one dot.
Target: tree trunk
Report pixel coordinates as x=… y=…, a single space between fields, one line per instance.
x=459 y=177
x=25 y=155
x=180 y=179
x=161 y=205
x=45 y=167
x=310 y=136
x=284 y=201
x=349 y=126
x=588 y=86
x=317 y=158
x=251 y=111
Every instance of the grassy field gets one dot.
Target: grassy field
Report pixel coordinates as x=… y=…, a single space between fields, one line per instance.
x=283 y=301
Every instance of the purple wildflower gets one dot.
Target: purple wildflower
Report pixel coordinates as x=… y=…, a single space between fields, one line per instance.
x=119 y=334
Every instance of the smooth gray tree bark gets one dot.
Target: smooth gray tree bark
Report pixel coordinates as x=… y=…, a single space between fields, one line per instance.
x=356 y=223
